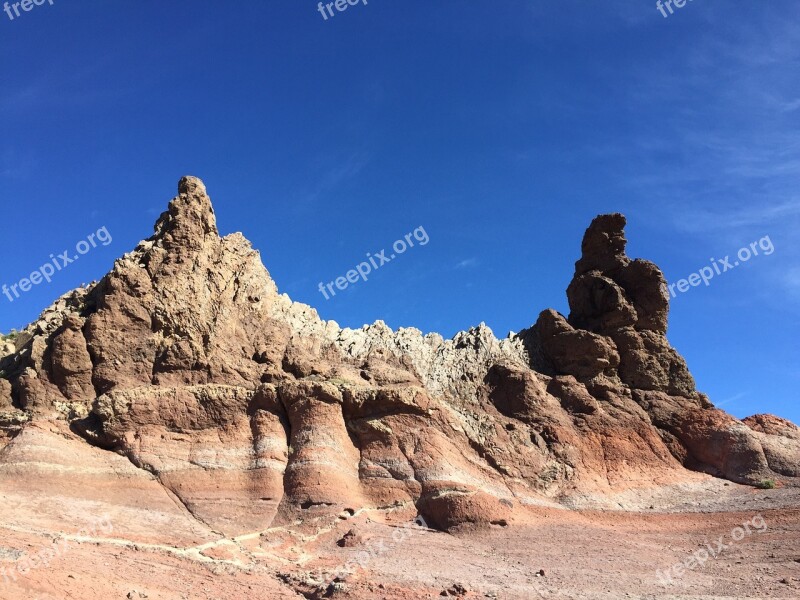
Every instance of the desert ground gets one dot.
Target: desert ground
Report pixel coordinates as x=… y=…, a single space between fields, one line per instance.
x=106 y=552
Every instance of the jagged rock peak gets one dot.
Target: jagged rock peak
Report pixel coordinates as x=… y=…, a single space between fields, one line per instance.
x=603 y=246
x=190 y=184
x=190 y=216
x=610 y=291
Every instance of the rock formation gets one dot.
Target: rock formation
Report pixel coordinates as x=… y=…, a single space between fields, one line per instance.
x=252 y=411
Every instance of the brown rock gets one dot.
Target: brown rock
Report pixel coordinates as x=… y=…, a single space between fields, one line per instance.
x=351 y=539
x=574 y=396
x=252 y=413
x=71 y=362
x=603 y=246
x=5 y=395
x=598 y=304
x=570 y=351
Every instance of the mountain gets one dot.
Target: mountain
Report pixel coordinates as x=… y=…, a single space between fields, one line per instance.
x=184 y=395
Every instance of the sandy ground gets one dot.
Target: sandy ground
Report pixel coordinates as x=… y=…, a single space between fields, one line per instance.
x=746 y=544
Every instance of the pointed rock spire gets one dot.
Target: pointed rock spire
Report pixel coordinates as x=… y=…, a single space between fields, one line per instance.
x=189 y=219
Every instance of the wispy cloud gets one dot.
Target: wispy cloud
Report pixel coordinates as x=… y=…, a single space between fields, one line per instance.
x=467 y=263
x=732 y=399
x=792 y=281
x=790 y=106
x=733 y=158
x=703 y=219
x=719 y=162
x=57 y=87
x=341 y=171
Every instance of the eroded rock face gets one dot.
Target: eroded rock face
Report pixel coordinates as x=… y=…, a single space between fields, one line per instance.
x=780 y=440
x=616 y=335
x=252 y=411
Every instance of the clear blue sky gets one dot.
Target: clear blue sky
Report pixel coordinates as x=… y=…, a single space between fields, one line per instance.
x=502 y=128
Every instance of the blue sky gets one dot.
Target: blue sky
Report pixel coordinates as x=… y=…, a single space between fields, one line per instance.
x=501 y=128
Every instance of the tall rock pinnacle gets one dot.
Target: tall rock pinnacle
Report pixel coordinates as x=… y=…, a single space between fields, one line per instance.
x=189 y=219
x=603 y=246
x=618 y=315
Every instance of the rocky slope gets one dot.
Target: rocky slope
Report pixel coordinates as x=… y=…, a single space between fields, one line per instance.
x=251 y=412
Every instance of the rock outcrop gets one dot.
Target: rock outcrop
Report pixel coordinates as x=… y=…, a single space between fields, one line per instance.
x=253 y=411
x=614 y=341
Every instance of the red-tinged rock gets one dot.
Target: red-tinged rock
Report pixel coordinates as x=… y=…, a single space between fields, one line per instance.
x=252 y=415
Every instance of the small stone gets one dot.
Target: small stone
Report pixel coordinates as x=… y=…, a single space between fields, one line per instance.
x=456 y=589
x=350 y=539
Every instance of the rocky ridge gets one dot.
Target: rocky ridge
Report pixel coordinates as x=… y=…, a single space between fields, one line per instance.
x=253 y=411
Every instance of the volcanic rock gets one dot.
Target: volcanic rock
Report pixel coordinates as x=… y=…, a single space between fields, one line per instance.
x=251 y=412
